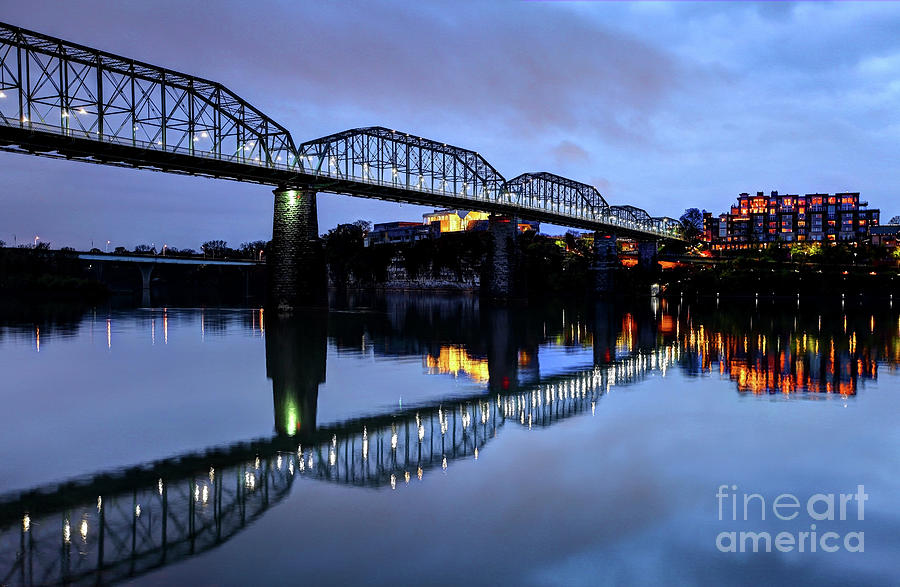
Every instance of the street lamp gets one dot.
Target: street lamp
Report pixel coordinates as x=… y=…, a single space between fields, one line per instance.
x=107 y=246
x=36 y=239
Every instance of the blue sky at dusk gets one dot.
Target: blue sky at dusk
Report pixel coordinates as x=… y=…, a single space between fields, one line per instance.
x=660 y=105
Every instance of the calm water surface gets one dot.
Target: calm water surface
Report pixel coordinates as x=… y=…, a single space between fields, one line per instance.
x=408 y=439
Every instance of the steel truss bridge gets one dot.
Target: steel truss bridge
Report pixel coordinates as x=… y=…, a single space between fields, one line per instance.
x=118 y=525
x=60 y=99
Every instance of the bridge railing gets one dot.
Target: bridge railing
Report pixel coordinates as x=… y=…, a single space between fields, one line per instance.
x=509 y=199
x=79 y=133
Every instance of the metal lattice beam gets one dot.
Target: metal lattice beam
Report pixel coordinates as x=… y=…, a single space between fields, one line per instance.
x=65 y=100
x=52 y=85
x=387 y=157
x=558 y=194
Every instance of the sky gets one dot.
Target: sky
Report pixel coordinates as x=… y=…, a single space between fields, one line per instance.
x=660 y=105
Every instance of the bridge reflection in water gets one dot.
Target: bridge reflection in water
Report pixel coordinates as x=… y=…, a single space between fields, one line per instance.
x=121 y=524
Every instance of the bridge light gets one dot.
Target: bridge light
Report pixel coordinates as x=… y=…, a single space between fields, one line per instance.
x=137 y=511
x=26 y=523
x=24 y=119
x=67 y=532
x=82 y=111
x=65 y=114
x=84 y=530
x=204 y=134
x=2 y=94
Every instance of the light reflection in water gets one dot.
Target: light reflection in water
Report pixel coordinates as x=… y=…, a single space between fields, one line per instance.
x=813 y=355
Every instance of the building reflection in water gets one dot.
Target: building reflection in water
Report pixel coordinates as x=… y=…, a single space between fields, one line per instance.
x=120 y=524
x=768 y=352
x=456 y=360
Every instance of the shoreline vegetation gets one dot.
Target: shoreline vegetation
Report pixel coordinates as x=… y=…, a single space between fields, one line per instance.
x=552 y=267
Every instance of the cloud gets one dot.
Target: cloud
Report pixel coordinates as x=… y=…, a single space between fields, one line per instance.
x=654 y=96
x=567 y=152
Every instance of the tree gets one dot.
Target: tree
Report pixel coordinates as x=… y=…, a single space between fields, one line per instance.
x=120 y=251
x=215 y=248
x=251 y=250
x=692 y=220
x=2 y=244
x=364 y=225
x=145 y=249
x=895 y=220
x=343 y=246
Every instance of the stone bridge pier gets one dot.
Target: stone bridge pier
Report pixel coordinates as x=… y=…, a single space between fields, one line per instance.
x=503 y=279
x=296 y=261
x=648 y=255
x=606 y=261
x=503 y=352
x=296 y=352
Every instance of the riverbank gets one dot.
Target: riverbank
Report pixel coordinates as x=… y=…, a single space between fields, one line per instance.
x=46 y=275
x=749 y=278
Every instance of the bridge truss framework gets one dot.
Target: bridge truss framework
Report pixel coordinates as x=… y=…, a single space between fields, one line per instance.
x=62 y=99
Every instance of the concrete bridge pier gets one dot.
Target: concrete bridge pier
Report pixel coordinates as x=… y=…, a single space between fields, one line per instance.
x=146 y=274
x=648 y=255
x=606 y=261
x=502 y=278
x=296 y=263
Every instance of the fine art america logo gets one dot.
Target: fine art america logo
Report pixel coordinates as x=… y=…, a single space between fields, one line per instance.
x=807 y=519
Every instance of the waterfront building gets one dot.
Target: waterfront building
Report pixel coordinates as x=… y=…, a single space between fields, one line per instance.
x=759 y=220
x=886 y=235
x=460 y=220
x=400 y=232
x=434 y=224
x=454 y=220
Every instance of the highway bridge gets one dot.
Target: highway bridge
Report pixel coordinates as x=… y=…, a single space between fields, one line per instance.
x=65 y=100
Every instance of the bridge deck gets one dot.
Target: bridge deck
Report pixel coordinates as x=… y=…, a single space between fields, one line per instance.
x=160 y=260
x=60 y=99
